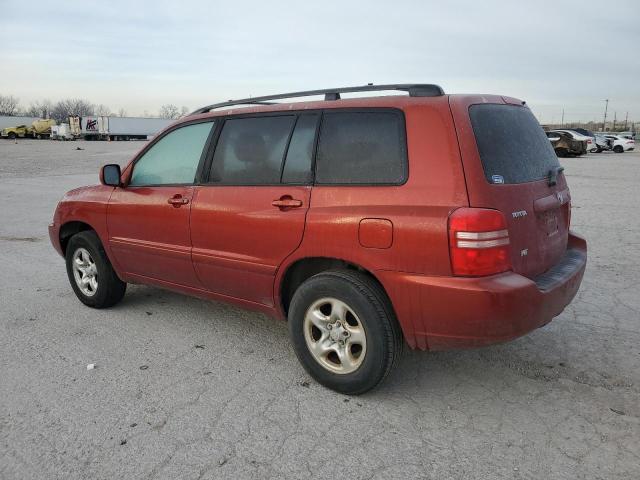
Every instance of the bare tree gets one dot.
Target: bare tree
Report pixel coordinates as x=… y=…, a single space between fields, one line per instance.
x=103 y=110
x=42 y=109
x=169 y=111
x=71 y=107
x=122 y=112
x=8 y=105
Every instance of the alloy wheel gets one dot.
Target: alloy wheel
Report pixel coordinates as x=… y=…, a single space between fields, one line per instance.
x=85 y=272
x=335 y=336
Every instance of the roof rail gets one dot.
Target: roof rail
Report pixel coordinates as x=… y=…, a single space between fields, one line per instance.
x=413 y=89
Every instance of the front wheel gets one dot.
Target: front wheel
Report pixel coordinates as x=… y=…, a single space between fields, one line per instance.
x=618 y=149
x=90 y=273
x=344 y=331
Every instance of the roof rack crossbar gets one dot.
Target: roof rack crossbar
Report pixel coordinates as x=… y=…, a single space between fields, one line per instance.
x=414 y=90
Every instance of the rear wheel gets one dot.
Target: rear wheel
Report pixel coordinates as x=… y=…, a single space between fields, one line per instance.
x=90 y=273
x=12 y=135
x=344 y=331
x=618 y=149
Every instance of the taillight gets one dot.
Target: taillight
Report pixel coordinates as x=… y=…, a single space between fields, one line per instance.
x=478 y=242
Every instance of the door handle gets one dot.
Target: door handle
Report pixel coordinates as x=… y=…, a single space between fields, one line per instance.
x=177 y=200
x=286 y=202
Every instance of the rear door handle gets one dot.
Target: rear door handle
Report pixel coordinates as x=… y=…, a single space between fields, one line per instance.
x=286 y=201
x=177 y=200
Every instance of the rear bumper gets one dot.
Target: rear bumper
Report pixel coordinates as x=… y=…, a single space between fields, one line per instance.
x=444 y=313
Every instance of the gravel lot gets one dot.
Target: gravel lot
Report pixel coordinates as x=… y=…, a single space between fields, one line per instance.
x=185 y=388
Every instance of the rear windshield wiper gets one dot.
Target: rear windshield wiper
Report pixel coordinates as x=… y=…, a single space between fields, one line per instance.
x=553 y=175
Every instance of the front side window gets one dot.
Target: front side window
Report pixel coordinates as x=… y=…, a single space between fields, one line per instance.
x=361 y=148
x=174 y=158
x=250 y=150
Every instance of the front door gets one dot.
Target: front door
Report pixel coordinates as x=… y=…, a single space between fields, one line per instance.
x=251 y=214
x=148 y=220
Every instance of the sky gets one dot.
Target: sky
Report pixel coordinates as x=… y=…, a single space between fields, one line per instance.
x=139 y=55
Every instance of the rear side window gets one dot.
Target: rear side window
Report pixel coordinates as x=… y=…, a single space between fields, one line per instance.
x=361 y=148
x=250 y=151
x=513 y=147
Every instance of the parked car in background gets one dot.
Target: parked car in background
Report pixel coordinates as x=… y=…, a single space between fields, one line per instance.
x=591 y=145
x=567 y=143
x=629 y=134
x=370 y=234
x=603 y=143
x=621 y=144
x=590 y=139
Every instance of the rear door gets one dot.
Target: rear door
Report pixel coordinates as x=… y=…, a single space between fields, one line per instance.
x=250 y=215
x=510 y=166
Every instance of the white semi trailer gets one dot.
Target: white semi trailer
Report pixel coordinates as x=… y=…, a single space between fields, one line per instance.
x=116 y=128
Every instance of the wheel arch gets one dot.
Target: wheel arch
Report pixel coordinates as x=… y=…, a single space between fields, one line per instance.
x=69 y=229
x=295 y=273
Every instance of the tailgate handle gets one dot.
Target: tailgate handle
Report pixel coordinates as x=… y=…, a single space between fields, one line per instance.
x=551 y=202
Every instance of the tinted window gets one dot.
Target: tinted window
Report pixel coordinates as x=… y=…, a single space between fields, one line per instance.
x=513 y=147
x=297 y=167
x=174 y=158
x=361 y=148
x=250 y=150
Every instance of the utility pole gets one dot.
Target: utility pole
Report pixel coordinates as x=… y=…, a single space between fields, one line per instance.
x=604 y=122
x=615 y=116
x=626 y=119
x=562 y=117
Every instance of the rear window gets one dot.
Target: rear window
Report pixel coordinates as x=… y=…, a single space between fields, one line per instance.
x=513 y=147
x=361 y=148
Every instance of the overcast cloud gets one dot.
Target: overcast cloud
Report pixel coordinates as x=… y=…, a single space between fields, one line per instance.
x=139 y=55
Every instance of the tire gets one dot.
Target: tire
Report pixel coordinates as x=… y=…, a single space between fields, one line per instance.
x=12 y=135
x=618 y=149
x=562 y=152
x=373 y=337
x=598 y=150
x=108 y=289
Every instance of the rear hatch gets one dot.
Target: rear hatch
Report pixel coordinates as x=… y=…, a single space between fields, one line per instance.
x=510 y=165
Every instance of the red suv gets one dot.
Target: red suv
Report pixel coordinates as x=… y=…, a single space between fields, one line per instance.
x=437 y=220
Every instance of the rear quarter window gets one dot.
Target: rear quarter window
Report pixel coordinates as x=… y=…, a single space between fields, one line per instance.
x=362 y=148
x=512 y=145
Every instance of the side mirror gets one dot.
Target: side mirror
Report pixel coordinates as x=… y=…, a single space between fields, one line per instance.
x=110 y=175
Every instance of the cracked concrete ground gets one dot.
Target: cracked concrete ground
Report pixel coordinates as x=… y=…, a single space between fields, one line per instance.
x=190 y=389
